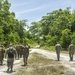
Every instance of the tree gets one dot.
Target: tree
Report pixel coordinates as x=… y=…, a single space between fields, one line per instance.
x=11 y=29
x=66 y=38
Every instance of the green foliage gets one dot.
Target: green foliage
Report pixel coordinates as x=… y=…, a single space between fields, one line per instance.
x=56 y=26
x=73 y=37
x=14 y=37
x=66 y=38
x=11 y=30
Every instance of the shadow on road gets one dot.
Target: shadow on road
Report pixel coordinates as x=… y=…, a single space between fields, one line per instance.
x=9 y=71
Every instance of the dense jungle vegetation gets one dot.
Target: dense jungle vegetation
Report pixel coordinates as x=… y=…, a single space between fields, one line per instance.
x=56 y=26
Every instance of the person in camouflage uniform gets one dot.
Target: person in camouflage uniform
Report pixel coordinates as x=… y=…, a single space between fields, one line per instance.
x=2 y=51
x=10 y=60
x=71 y=51
x=58 y=50
x=19 y=49
x=25 y=54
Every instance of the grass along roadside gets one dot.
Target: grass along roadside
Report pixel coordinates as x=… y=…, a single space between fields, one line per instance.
x=39 y=65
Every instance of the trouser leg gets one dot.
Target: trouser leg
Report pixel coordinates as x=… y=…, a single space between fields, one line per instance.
x=25 y=60
x=58 y=56
x=1 y=62
x=8 y=65
x=18 y=55
x=72 y=57
x=11 y=66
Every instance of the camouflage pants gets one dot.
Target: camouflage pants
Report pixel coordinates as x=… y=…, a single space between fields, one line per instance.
x=10 y=63
x=58 y=55
x=1 y=61
x=71 y=56
x=25 y=59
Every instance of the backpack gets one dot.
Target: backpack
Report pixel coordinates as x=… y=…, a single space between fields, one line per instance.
x=10 y=53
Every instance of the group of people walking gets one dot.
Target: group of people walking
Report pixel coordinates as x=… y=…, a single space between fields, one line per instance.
x=11 y=53
x=23 y=51
x=71 y=50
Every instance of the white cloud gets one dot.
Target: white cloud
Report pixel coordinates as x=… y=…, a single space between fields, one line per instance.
x=29 y=10
x=17 y=3
x=32 y=9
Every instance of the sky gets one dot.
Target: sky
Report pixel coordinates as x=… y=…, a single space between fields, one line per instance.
x=33 y=10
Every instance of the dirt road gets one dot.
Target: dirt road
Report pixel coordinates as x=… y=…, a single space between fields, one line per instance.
x=64 y=59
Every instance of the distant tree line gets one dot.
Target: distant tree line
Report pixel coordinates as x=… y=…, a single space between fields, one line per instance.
x=56 y=26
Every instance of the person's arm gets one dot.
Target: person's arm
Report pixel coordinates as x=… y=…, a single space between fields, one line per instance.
x=15 y=52
x=61 y=48
x=74 y=48
x=55 y=47
x=6 y=52
x=69 y=48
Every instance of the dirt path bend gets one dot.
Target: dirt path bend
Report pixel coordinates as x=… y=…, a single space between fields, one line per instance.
x=64 y=59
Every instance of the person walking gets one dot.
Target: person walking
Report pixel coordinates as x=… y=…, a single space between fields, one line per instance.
x=58 y=50
x=71 y=51
x=11 y=54
x=25 y=54
x=2 y=51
